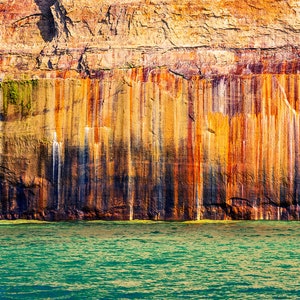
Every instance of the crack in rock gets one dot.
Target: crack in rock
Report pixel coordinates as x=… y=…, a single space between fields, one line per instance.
x=54 y=22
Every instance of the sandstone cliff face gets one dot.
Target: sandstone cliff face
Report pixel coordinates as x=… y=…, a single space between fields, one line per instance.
x=188 y=36
x=143 y=109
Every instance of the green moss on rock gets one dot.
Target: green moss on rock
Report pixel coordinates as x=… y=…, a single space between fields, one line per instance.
x=19 y=94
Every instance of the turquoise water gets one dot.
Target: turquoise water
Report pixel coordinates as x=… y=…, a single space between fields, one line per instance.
x=150 y=260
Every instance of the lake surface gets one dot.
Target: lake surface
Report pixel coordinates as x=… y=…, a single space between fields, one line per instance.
x=150 y=260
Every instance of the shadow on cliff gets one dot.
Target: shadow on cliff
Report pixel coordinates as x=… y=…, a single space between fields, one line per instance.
x=46 y=24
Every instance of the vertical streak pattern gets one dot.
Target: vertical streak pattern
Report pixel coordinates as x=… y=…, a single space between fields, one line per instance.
x=149 y=144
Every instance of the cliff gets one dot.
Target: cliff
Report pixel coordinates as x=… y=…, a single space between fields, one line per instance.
x=169 y=110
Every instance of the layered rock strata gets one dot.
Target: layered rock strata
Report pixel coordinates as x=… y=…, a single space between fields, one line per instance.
x=149 y=110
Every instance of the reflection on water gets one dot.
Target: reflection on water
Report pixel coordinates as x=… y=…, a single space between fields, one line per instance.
x=150 y=260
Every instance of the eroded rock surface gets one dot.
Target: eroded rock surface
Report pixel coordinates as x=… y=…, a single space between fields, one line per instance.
x=167 y=110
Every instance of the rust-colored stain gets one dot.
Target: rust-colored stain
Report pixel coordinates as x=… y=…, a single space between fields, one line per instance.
x=260 y=12
x=146 y=143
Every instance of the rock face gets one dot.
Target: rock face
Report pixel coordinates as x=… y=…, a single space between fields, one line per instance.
x=173 y=110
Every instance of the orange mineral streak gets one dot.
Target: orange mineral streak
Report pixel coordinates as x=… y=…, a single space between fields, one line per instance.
x=142 y=143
